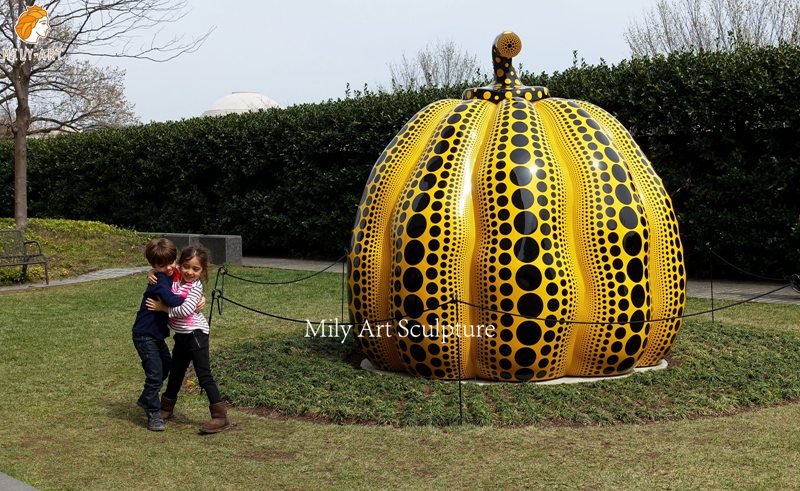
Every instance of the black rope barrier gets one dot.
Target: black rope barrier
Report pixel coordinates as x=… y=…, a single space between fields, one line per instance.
x=218 y=298
x=683 y=316
x=552 y=320
x=737 y=268
x=248 y=280
x=221 y=297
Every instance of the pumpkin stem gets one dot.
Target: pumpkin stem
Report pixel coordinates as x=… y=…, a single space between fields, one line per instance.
x=506 y=81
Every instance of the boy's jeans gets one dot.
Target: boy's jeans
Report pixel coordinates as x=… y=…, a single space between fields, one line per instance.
x=156 y=363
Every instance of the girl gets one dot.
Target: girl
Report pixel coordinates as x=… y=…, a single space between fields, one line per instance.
x=191 y=338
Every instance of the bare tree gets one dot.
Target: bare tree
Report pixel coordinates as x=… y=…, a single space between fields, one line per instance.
x=72 y=96
x=47 y=82
x=440 y=65
x=713 y=25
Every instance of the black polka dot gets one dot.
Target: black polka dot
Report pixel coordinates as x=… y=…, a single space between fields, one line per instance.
x=434 y=164
x=522 y=199
x=520 y=156
x=528 y=277
x=530 y=305
x=413 y=306
x=520 y=176
x=635 y=270
x=525 y=357
x=619 y=173
x=526 y=249
x=638 y=296
x=416 y=226
x=423 y=370
x=412 y=279
x=612 y=155
x=519 y=127
x=628 y=217
x=414 y=252
x=417 y=352
x=519 y=140
x=421 y=202
x=626 y=364
x=632 y=243
x=529 y=333
x=623 y=194
x=427 y=182
x=441 y=147
x=633 y=345
x=524 y=374
x=525 y=223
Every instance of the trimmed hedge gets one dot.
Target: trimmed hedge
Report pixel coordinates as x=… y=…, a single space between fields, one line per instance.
x=720 y=128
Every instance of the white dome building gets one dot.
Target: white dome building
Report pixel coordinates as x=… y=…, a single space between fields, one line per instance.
x=240 y=102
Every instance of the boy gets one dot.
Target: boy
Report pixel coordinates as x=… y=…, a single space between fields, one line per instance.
x=150 y=329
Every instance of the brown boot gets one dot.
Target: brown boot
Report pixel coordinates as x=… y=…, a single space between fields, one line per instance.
x=219 y=419
x=167 y=406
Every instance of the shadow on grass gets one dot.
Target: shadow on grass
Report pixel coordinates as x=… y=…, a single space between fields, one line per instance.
x=125 y=411
x=717 y=370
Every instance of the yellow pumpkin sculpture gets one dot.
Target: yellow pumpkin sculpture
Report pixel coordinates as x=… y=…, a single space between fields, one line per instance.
x=540 y=215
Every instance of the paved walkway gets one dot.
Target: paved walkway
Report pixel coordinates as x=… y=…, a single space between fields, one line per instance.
x=8 y=483
x=723 y=290
x=103 y=274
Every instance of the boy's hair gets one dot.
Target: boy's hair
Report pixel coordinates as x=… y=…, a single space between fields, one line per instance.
x=160 y=252
x=201 y=253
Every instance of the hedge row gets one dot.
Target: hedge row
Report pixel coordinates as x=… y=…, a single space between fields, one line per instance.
x=720 y=128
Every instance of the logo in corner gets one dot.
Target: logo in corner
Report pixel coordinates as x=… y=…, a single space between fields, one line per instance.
x=33 y=25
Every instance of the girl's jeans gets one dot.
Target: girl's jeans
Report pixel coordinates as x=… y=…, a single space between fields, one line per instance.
x=192 y=347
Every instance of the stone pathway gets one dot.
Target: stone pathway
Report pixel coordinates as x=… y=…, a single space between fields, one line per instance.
x=103 y=274
x=723 y=290
x=8 y=483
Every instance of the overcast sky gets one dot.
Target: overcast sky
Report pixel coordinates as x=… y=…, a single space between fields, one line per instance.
x=307 y=51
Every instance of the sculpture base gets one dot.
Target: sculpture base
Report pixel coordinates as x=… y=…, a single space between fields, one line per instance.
x=367 y=365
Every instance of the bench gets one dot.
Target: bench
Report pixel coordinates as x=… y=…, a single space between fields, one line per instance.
x=16 y=251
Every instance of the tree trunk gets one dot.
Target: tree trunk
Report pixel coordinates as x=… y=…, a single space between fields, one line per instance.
x=21 y=79
x=21 y=172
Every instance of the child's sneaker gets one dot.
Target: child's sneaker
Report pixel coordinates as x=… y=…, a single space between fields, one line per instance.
x=154 y=422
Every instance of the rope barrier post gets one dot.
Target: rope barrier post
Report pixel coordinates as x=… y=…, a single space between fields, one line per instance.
x=712 y=293
x=458 y=355
x=222 y=288
x=213 y=301
x=343 y=281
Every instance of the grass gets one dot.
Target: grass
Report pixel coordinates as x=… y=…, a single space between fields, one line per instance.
x=718 y=368
x=71 y=378
x=75 y=247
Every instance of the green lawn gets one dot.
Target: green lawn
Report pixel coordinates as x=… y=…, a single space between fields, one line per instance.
x=71 y=378
x=74 y=247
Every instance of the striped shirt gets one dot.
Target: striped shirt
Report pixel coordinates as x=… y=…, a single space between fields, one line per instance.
x=183 y=318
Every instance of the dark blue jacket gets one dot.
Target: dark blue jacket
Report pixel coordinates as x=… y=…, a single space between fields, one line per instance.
x=152 y=323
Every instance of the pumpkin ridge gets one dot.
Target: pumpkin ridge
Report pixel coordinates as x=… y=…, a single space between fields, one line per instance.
x=370 y=293
x=666 y=287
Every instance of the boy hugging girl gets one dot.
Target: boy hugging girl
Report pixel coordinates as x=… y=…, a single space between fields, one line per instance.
x=173 y=301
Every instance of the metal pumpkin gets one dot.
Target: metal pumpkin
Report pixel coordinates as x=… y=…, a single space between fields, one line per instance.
x=536 y=215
